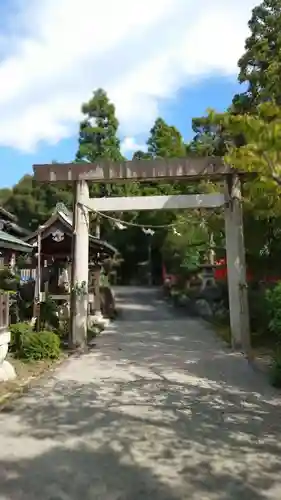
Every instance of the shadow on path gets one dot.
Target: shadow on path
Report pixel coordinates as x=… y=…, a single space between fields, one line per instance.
x=160 y=410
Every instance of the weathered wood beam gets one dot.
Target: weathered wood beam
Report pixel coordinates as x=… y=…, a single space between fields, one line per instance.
x=132 y=203
x=141 y=170
x=236 y=267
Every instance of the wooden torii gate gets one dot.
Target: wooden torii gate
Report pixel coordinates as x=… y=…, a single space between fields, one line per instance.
x=182 y=169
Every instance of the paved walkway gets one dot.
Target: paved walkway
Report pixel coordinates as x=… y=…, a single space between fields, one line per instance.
x=157 y=411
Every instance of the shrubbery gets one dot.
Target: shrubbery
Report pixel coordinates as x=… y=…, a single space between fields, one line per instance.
x=273 y=298
x=30 y=345
x=18 y=333
x=275 y=372
x=42 y=345
x=259 y=312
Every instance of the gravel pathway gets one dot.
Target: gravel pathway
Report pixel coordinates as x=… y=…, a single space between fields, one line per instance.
x=158 y=410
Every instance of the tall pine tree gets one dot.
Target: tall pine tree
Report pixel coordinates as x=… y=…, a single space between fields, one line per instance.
x=165 y=141
x=98 y=130
x=260 y=65
x=98 y=141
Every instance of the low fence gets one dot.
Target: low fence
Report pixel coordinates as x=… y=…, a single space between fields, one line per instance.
x=4 y=311
x=28 y=275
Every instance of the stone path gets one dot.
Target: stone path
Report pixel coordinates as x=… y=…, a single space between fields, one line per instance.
x=157 y=411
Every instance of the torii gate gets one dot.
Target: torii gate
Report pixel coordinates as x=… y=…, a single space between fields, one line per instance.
x=157 y=170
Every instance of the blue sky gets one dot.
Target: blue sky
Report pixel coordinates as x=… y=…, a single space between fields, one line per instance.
x=169 y=58
x=188 y=103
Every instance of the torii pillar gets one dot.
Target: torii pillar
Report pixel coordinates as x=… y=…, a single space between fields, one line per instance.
x=236 y=266
x=80 y=266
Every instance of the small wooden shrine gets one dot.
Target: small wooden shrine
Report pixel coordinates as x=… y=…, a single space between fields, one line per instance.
x=11 y=239
x=52 y=244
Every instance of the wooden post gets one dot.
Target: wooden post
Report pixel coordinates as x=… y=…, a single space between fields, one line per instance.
x=7 y=310
x=38 y=278
x=97 y=275
x=80 y=266
x=236 y=266
x=97 y=294
x=2 y=313
x=37 y=288
x=212 y=255
x=46 y=282
x=71 y=338
x=149 y=260
x=98 y=227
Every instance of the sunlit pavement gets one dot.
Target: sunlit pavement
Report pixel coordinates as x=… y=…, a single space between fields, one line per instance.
x=159 y=409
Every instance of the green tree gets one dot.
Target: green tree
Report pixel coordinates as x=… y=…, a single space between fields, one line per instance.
x=5 y=193
x=165 y=141
x=260 y=158
x=209 y=138
x=98 y=130
x=260 y=65
x=261 y=153
x=33 y=203
x=141 y=155
x=186 y=242
x=98 y=138
x=98 y=141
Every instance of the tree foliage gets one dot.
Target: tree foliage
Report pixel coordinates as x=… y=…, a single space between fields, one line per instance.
x=260 y=65
x=262 y=150
x=247 y=135
x=98 y=139
x=261 y=153
x=98 y=130
x=33 y=203
x=165 y=141
x=209 y=138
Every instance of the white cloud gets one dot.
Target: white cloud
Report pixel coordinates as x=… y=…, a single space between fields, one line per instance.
x=140 y=52
x=130 y=145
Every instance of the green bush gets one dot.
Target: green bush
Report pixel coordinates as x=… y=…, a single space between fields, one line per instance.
x=8 y=280
x=63 y=329
x=273 y=298
x=40 y=345
x=275 y=371
x=48 y=314
x=259 y=311
x=18 y=332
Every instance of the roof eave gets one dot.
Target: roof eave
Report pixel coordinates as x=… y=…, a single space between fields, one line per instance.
x=17 y=247
x=104 y=244
x=58 y=215
x=8 y=214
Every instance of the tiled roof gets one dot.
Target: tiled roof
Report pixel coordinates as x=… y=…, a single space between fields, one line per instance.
x=7 y=214
x=66 y=217
x=13 y=241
